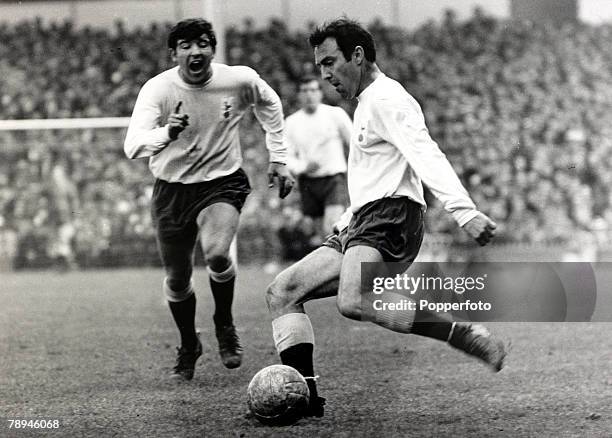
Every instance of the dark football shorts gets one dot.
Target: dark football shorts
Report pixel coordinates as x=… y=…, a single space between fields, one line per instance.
x=393 y=226
x=175 y=206
x=319 y=192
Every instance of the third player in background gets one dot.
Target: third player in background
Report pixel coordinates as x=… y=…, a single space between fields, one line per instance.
x=317 y=136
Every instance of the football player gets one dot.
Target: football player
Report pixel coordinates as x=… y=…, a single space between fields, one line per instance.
x=185 y=121
x=391 y=157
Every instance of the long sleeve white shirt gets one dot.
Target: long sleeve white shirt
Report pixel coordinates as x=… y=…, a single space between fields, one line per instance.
x=209 y=147
x=392 y=154
x=318 y=138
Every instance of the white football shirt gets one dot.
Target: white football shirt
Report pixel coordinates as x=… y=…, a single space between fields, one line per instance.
x=392 y=154
x=319 y=138
x=209 y=147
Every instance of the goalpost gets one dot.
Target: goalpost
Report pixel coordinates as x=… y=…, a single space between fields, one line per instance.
x=59 y=124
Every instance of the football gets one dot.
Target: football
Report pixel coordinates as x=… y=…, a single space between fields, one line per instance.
x=278 y=395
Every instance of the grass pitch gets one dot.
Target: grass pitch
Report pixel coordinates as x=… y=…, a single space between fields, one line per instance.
x=94 y=349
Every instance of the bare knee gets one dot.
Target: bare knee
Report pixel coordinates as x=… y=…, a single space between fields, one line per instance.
x=349 y=307
x=178 y=267
x=281 y=293
x=178 y=280
x=217 y=259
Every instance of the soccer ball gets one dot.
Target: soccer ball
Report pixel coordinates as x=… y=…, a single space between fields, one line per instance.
x=278 y=395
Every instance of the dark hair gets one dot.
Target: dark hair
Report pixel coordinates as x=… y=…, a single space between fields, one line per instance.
x=348 y=34
x=304 y=80
x=190 y=29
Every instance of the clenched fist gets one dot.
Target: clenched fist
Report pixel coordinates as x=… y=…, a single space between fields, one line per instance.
x=280 y=173
x=481 y=228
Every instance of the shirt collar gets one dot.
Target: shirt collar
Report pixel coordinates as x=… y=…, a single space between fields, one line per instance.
x=368 y=90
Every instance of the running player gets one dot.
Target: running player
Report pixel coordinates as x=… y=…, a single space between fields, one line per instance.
x=186 y=122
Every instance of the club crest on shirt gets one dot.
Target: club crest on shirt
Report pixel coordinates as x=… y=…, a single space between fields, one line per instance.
x=227 y=108
x=362 y=133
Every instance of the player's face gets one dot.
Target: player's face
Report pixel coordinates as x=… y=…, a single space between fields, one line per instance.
x=194 y=58
x=310 y=95
x=342 y=74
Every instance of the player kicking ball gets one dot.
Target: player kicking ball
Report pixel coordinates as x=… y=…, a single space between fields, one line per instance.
x=185 y=121
x=391 y=157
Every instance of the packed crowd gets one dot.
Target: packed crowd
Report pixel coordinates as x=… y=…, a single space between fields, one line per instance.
x=521 y=110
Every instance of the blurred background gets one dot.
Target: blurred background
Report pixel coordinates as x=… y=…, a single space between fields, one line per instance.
x=517 y=93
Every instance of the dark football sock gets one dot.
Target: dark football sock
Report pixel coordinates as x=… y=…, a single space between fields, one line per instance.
x=183 y=313
x=431 y=325
x=300 y=357
x=223 y=293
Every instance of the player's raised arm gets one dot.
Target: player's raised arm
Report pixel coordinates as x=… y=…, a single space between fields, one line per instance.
x=403 y=125
x=145 y=135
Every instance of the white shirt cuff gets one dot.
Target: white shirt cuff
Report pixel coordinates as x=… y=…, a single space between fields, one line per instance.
x=464 y=216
